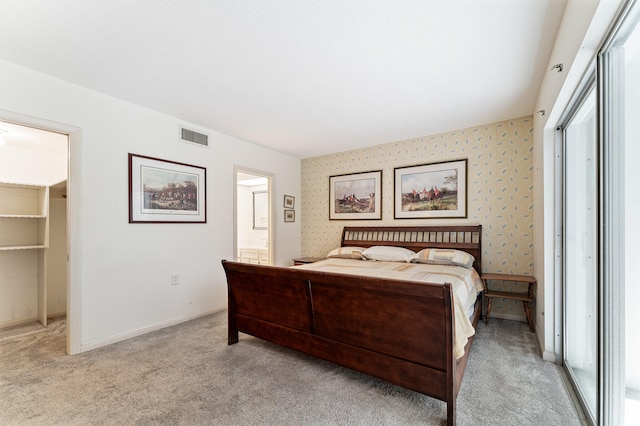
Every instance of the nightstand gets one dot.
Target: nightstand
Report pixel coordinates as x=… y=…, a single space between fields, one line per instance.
x=526 y=298
x=304 y=260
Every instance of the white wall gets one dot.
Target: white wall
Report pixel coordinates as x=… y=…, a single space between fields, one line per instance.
x=583 y=26
x=120 y=272
x=20 y=162
x=18 y=287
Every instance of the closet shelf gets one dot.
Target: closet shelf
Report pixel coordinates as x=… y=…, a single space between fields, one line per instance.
x=24 y=225
x=22 y=216
x=32 y=247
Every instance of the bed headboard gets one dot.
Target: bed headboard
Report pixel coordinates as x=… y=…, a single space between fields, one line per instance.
x=461 y=237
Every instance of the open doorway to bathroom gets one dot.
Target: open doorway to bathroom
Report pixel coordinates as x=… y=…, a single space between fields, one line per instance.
x=253 y=218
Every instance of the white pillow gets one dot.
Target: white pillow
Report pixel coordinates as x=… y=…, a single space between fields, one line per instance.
x=389 y=254
x=347 y=253
x=436 y=256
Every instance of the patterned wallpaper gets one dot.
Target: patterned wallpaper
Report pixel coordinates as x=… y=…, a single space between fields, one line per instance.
x=499 y=193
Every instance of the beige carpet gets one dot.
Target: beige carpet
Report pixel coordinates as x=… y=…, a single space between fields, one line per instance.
x=188 y=375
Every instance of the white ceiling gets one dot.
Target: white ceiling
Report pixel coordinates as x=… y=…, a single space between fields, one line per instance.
x=302 y=77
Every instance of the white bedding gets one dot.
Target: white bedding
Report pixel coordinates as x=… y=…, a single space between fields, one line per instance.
x=466 y=284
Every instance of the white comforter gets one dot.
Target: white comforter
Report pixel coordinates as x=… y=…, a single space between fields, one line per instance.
x=466 y=284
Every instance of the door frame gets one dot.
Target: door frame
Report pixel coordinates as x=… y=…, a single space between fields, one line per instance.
x=74 y=210
x=270 y=185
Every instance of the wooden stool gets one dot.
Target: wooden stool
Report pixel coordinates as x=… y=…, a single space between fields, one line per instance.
x=526 y=298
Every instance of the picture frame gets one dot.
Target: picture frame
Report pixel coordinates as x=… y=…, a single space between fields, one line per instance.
x=426 y=191
x=289 y=202
x=356 y=196
x=164 y=191
x=289 y=215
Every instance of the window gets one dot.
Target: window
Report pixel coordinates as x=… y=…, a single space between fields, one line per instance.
x=580 y=269
x=621 y=136
x=601 y=231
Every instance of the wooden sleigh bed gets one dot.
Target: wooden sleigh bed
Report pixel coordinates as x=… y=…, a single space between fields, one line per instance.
x=398 y=331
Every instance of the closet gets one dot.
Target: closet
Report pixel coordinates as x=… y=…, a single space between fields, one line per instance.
x=27 y=273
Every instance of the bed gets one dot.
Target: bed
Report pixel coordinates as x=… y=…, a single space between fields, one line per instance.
x=398 y=330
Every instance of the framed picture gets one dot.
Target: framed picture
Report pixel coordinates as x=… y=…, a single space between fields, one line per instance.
x=289 y=202
x=162 y=191
x=356 y=196
x=289 y=215
x=436 y=190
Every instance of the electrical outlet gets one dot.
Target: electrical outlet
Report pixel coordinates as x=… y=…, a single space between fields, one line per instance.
x=175 y=279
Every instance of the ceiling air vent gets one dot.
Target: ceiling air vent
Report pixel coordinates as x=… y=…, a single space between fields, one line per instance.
x=192 y=136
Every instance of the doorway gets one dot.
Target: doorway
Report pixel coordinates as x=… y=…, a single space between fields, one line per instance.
x=34 y=164
x=253 y=219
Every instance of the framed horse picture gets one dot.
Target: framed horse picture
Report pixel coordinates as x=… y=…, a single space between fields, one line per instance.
x=356 y=196
x=437 y=190
x=163 y=191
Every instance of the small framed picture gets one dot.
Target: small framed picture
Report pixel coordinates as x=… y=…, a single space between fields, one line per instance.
x=289 y=202
x=289 y=215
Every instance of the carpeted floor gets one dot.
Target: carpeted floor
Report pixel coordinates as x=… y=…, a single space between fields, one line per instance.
x=188 y=375
x=22 y=330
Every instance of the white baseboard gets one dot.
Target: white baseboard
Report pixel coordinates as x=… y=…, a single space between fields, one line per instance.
x=547 y=355
x=551 y=357
x=144 y=330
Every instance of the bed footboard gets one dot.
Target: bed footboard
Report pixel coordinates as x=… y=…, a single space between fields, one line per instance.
x=399 y=331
